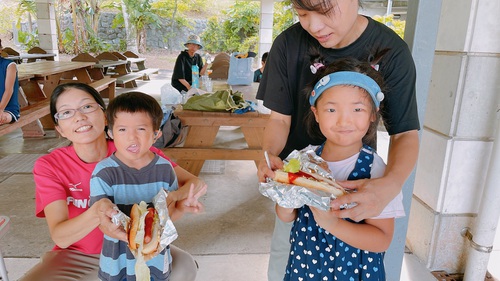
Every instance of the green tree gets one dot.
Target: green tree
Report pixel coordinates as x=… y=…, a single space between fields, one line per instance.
x=283 y=17
x=135 y=16
x=83 y=37
x=29 y=38
x=236 y=30
x=397 y=25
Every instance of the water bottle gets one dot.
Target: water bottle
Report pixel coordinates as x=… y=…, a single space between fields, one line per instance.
x=196 y=76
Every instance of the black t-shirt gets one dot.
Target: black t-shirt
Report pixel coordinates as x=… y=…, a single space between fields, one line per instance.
x=288 y=74
x=182 y=69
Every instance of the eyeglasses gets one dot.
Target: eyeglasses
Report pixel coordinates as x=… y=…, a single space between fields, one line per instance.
x=85 y=109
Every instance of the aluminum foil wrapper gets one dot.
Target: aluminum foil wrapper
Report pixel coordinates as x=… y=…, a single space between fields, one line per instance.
x=169 y=233
x=294 y=196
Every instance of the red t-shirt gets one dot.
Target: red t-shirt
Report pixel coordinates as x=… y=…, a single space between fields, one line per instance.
x=61 y=175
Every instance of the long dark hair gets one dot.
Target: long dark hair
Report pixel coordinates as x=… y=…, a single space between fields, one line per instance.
x=65 y=87
x=346 y=64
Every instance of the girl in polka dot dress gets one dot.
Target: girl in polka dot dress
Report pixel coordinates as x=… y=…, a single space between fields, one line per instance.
x=344 y=105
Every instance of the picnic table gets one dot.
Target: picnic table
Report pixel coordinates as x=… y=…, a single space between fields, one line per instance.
x=106 y=60
x=33 y=55
x=50 y=73
x=203 y=127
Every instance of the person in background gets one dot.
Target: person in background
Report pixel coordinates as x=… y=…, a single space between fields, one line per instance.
x=182 y=77
x=9 y=90
x=335 y=28
x=134 y=173
x=62 y=180
x=257 y=74
x=344 y=108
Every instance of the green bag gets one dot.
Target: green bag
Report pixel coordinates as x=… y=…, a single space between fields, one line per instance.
x=223 y=100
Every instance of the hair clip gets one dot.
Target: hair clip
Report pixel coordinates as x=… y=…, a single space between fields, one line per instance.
x=375 y=66
x=315 y=66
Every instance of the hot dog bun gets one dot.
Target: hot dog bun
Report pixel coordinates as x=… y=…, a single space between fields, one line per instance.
x=135 y=216
x=314 y=182
x=147 y=223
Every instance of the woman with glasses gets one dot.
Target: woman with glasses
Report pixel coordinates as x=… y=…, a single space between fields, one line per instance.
x=62 y=191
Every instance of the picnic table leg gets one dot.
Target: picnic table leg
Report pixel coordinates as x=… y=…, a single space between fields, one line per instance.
x=197 y=137
x=254 y=137
x=49 y=85
x=35 y=128
x=140 y=65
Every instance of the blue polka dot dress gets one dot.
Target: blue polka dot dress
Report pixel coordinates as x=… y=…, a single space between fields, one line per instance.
x=316 y=254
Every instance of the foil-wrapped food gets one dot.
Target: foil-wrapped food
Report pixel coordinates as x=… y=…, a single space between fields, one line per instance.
x=304 y=180
x=150 y=230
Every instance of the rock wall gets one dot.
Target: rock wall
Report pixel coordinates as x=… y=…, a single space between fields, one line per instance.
x=157 y=37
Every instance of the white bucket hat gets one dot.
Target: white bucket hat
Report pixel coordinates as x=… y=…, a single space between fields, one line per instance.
x=194 y=39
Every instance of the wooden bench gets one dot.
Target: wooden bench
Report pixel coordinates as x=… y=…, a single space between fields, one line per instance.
x=13 y=54
x=106 y=86
x=38 y=50
x=128 y=80
x=146 y=72
x=29 y=114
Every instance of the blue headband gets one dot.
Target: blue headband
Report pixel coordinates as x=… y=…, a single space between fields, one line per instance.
x=347 y=78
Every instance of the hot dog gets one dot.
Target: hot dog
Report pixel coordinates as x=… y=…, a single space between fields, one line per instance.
x=144 y=229
x=309 y=180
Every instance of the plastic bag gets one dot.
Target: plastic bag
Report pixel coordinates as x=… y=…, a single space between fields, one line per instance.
x=170 y=95
x=240 y=71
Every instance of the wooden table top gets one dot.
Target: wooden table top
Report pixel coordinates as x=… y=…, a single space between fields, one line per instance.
x=24 y=76
x=46 y=68
x=136 y=60
x=108 y=63
x=36 y=56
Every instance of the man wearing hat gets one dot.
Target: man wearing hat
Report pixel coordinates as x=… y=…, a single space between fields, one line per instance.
x=182 y=76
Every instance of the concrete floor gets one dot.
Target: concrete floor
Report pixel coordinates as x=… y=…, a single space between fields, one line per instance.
x=230 y=240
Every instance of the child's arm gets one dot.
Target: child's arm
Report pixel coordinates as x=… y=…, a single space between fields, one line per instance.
x=177 y=208
x=375 y=235
x=185 y=180
x=286 y=214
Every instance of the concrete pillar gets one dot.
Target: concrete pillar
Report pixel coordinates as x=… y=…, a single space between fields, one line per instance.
x=266 y=27
x=458 y=133
x=420 y=35
x=47 y=31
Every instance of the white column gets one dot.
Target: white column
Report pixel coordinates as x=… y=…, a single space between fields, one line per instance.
x=266 y=26
x=458 y=133
x=420 y=35
x=47 y=31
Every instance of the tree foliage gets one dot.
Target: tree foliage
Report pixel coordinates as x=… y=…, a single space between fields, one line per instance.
x=27 y=9
x=283 y=17
x=397 y=25
x=237 y=29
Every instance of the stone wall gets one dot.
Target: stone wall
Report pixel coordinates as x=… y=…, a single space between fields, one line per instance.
x=157 y=37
